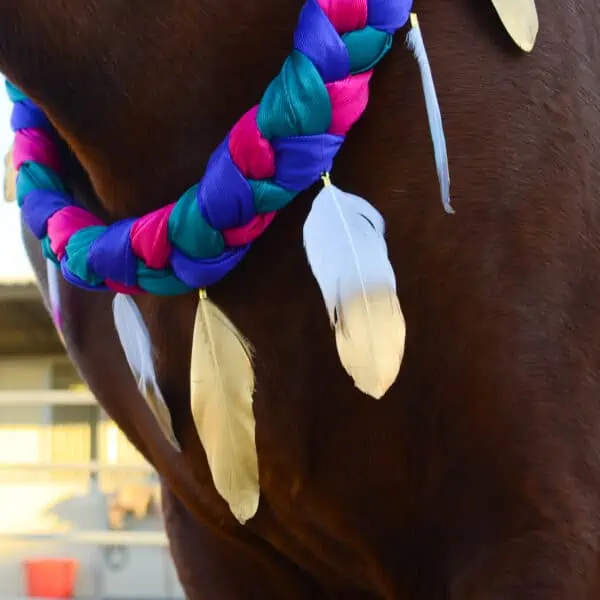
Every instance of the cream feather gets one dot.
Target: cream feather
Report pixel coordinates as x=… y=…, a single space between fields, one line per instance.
x=520 y=18
x=222 y=385
x=10 y=178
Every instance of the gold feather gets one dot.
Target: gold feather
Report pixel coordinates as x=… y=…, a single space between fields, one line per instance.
x=520 y=18
x=222 y=385
x=370 y=334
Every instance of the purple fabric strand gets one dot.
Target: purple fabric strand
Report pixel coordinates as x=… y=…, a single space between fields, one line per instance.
x=301 y=160
x=318 y=40
x=25 y=115
x=388 y=15
x=111 y=256
x=200 y=273
x=76 y=281
x=39 y=206
x=225 y=198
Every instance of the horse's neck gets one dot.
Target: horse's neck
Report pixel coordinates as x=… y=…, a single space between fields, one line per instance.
x=144 y=97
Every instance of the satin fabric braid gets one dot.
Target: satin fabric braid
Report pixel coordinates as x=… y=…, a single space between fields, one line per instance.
x=276 y=150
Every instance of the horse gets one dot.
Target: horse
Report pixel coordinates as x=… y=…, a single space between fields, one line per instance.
x=477 y=476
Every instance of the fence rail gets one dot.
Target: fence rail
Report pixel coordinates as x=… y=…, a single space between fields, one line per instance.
x=88 y=467
x=99 y=537
x=46 y=398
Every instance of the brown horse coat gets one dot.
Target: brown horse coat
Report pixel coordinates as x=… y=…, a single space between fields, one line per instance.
x=477 y=477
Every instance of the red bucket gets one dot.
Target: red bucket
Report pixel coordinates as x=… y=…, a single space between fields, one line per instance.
x=51 y=577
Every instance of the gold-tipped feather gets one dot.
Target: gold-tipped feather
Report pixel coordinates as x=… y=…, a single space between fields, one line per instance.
x=370 y=334
x=10 y=178
x=520 y=18
x=162 y=415
x=221 y=385
x=137 y=346
x=346 y=250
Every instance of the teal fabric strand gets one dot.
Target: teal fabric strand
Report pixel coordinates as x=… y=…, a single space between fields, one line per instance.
x=296 y=101
x=47 y=251
x=190 y=231
x=34 y=176
x=366 y=47
x=162 y=282
x=77 y=250
x=268 y=196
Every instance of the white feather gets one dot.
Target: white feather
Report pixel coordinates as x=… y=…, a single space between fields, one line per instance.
x=54 y=294
x=343 y=238
x=136 y=343
x=414 y=41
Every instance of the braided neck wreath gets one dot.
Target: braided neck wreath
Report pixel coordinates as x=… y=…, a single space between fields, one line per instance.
x=277 y=149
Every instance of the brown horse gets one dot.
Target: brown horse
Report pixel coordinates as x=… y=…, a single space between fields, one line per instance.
x=477 y=477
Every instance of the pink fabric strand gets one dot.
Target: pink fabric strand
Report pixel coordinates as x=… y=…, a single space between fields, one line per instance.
x=349 y=98
x=240 y=236
x=37 y=146
x=120 y=288
x=345 y=15
x=150 y=237
x=250 y=151
x=64 y=223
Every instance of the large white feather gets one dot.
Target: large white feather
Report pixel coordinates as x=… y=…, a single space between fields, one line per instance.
x=222 y=385
x=135 y=339
x=343 y=238
x=414 y=41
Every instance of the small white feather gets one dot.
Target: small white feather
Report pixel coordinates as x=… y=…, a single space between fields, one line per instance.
x=136 y=343
x=345 y=247
x=222 y=385
x=414 y=41
x=54 y=294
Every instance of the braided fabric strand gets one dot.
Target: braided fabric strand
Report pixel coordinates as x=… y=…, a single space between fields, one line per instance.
x=277 y=149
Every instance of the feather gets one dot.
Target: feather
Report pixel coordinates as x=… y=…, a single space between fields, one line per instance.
x=414 y=41
x=10 y=178
x=222 y=385
x=520 y=18
x=54 y=296
x=346 y=250
x=136 y=343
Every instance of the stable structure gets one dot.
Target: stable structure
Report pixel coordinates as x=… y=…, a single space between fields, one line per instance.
x=71 y=485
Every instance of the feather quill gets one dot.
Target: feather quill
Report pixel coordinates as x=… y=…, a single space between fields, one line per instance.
x=222 y=385
x=136 y=343
x=414 y=41
x=346 y=250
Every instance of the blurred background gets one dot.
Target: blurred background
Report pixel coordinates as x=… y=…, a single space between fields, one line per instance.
x=79 y=506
